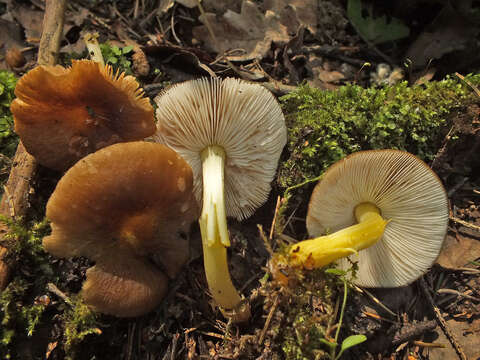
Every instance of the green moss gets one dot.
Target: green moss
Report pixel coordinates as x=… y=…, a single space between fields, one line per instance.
x=8 y=139
x=304 y=312
x=325 y=126
x=20 y=309
x=80 y=322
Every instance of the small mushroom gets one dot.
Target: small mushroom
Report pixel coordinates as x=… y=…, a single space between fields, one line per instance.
x=231 y=132
x=400 y=209
x=63 y=114
x=121 y=207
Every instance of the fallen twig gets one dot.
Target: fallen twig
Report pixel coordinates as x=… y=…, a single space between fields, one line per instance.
x=371 y=296
x=408 y=332
x=54 y=289
x=474 y=88
x=24 y=165
x=458 y=293
x=429 y=345
x=267 y=321
x=442 y=322
x=464 y=223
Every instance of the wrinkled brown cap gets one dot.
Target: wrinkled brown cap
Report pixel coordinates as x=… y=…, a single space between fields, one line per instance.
x=61 y=114
x=130 y=202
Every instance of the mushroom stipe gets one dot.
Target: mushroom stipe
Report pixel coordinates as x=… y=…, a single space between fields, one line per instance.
x=232 y=133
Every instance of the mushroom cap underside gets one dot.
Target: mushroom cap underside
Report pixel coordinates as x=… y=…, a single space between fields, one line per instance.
x=63 y=114
x=242 y=118
x=408 y=194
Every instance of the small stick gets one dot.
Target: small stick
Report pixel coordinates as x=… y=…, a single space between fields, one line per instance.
x=54 y=289
x=464 y=223
x=277 y=206
x=458 y=293
x=172 y=26
x=474 y=88
x=174 y=346
x=442 y=322
x=410 y=331
x=215 y=41
x=131 y=333
x=10 y=202
x=24 y=165
x=429 y=345
x=457 y=186
x=371 y=296
x=267 y=321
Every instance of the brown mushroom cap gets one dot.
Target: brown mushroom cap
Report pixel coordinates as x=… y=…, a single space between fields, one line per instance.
x=119 y=206
x=408 y=194
x=63 y=114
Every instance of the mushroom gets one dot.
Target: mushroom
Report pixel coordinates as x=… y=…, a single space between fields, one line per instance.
x=119 y=206
x=63 y=114
x=231 y=132
x=402 y=212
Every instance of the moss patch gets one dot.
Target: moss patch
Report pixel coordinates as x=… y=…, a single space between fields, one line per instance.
x=325 y=126
x=8 y=139
x=21 y=305
x=28 y=308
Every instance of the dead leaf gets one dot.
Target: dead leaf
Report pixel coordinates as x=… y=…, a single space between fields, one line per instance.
x=315 y=68
x=220 y=7
x=294 y=13
x=50 y=347
x=31 y=20
x=330 y=76
x=458 y=250
x=187 y=60
x=10 y=37
x=250 y=31
x=424 y=77
x=449 y=32
x=467 y=340
x=188 y=3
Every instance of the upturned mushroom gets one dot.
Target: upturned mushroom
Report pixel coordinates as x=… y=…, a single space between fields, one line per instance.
x=63 y=114
x=231 y=132
x=385 y=209
x=123 y=206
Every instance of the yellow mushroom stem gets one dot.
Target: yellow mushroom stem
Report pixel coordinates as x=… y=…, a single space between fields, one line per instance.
x=93 y=47
x=323 y=250
x=213 y=227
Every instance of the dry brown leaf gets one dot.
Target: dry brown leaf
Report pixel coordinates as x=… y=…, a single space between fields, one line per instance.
x=31 y=20
x=467 y=340
x=294 y=13
x=251 y=31
x=50 y=347
x=188 y=3
x=330 y=76
x=458 y=250
x=10 y=37
x=449 y=32
x=220 y=7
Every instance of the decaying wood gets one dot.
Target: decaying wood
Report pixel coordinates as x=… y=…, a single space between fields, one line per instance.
x=15 y=200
